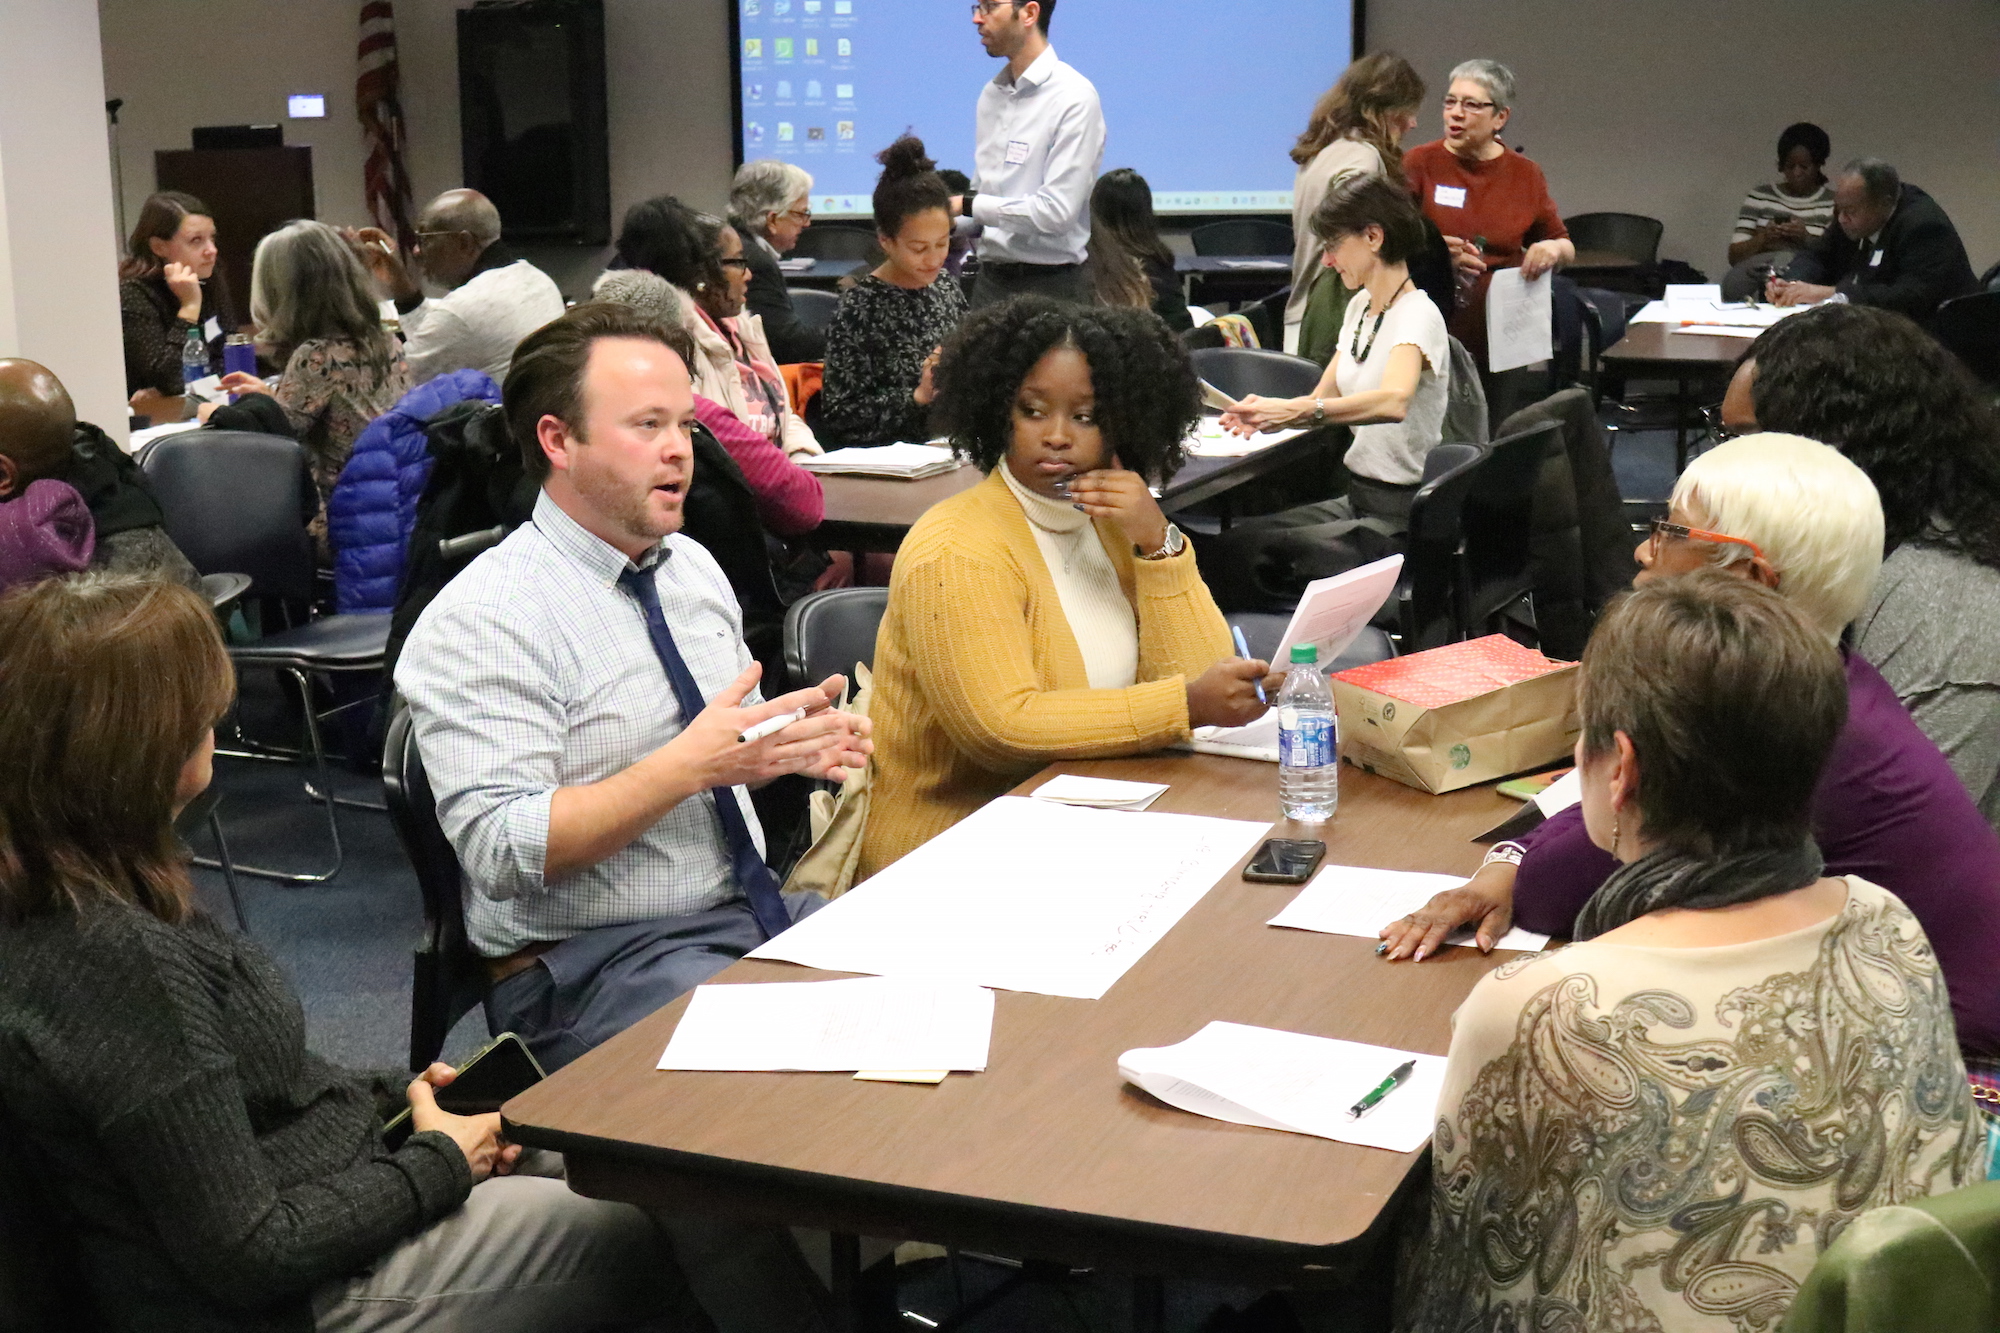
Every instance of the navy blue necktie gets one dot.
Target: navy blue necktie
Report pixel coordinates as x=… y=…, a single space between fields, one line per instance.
x=759 y=885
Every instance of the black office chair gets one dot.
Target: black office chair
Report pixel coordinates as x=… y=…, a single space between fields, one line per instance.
x=814 y=308
x=1242 y=236
x=838 y=240
x=1267 y=317
x=1496 y=564
x=1263 y=630
x=238 y=502
x=1239 y=371
x=204 y=811
x=447 y=979
x=1631 y=235
x=826 y=633
x=1429 y=602
x=1970 y=327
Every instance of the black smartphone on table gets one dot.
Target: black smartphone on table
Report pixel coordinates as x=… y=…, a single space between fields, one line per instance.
x=1285 y=861
x=503 y=1068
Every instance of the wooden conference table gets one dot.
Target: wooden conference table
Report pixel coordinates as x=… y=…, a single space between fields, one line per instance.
x=876 y=513
x=1048 y=1154
x=1698 y=364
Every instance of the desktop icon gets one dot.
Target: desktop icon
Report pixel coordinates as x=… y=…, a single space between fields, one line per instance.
x=844 y=92
x=753 y=48
x=752 y=8
x=812 y=6
x=753 y=133
x=812 y=46
x=816 y=133
x=813 y=90
x=843 y=48
x=781 y=7
x=784 y=131
x=784 y=90
x=784 y=45
x=843 y=129
x=843 y=6
x=754 y=91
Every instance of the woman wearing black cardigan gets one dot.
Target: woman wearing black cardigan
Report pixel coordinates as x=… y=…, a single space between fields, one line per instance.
x=215 y=1173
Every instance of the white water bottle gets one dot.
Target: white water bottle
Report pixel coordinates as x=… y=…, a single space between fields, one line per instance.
x=1308 y=741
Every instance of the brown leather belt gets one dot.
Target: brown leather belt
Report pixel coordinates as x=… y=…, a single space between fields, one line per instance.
x=499 y=969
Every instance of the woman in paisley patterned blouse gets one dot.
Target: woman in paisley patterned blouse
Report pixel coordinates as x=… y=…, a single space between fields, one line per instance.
x=1664 y=1125
x=885 y=337
x=316 y=315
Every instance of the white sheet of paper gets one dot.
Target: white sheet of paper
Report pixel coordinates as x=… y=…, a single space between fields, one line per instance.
x=1025 y=895
x=1360 y=900
x=1291 y=1081
x=1519 y=320
x=865 y=1023
x=1561 y=794
x=1254 y=740
x=1720 y=330
x=1099 y=793
x=1331 y=612
x=1209 y=440
x=902 y=459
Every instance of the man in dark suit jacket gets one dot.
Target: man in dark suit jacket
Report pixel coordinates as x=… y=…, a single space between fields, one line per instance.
x=1894 y=247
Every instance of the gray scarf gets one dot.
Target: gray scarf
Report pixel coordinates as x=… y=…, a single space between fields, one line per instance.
x=1676 y=879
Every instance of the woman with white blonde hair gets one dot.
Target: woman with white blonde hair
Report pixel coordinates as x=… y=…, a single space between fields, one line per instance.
x=770 y=206
x=316 y=314
x=1796 y=516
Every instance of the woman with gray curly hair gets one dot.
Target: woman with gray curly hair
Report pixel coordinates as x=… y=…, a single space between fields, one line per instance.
x=770 y=209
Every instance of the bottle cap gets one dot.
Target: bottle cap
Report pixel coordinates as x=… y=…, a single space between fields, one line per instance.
x=1305 y=652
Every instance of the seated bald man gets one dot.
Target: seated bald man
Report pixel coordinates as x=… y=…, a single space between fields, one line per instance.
x=40 y=438
x=493 y=297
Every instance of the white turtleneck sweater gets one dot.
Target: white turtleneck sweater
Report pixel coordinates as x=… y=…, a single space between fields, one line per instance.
x=1107 y=633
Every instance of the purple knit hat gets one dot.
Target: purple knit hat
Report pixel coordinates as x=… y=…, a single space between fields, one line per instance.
x=44 y=532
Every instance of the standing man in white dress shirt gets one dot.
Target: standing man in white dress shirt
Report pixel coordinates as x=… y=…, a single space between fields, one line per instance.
x=1041 y=141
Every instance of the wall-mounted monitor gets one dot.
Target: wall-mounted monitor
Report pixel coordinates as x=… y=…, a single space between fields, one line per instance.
x=1202 y=99
x=532 y=117
x=306 y=106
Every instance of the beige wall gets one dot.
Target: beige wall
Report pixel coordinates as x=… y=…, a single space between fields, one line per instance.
x=58 y=253
x=1664 y=107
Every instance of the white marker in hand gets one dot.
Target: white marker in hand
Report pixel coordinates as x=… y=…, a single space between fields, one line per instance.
x=771 y=726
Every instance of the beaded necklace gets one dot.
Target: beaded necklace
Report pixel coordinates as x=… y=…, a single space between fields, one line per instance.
x=1354 y=347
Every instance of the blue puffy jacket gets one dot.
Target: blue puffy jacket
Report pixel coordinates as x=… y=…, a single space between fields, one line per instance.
x=373 y=508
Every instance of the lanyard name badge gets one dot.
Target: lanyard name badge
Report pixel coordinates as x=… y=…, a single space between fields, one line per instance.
x=1017 y=152
x=1448 y=196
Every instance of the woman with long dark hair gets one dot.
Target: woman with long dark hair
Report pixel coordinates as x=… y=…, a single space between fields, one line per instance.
x=1356 y=129
x=1130 y=265
x=167 y=286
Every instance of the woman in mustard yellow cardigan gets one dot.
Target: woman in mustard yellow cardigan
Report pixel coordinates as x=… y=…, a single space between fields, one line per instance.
x=1050 y=612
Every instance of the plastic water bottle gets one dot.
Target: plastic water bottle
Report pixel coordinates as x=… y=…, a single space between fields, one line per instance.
x=1308 y=741
x=194 y=359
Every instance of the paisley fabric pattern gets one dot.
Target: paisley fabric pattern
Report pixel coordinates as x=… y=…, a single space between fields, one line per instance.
x=1651 y=1140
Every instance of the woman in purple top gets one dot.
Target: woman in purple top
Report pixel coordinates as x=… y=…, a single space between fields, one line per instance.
x=1796 y=516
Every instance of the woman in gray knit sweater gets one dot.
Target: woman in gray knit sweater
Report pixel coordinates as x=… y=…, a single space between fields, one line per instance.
x=209 y=1170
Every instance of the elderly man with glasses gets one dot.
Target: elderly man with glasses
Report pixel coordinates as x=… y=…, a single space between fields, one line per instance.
x=770 y=207
x=1040 y=142
x=1491 y=203
x=490 y=300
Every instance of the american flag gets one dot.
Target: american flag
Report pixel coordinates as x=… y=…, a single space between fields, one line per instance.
x=386 y=181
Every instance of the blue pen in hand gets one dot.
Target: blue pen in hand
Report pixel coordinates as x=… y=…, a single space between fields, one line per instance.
x=1243 y=651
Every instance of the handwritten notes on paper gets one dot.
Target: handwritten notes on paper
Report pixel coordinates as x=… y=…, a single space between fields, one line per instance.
x=1519 y=320
x=1024 y=895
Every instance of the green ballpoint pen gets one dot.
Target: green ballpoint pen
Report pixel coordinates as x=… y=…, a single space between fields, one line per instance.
x=1383 y=1089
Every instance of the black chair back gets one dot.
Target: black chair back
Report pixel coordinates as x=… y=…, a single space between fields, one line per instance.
x=1238 y=371
x=1498 y=521
x=1970 y=327
x=237 y=502
x=814 y=308
x=837 y=240
x=826 y=633
x=1429 y=607
x=1242 y=236
x=448 y=979
x=1632 y=235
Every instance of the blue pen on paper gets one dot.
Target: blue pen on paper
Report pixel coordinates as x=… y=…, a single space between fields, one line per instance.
x=1243 y=651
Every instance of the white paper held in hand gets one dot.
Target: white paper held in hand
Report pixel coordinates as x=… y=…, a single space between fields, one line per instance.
x=1294 y=1082
x=1519 y=320
x=1360 y=900
x=863 y=1023
x=1024 y=895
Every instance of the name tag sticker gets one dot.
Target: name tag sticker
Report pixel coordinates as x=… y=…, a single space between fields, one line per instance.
x=1017 y=152
x=1449 y=196
x=1875 y=260
x=212 y=330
